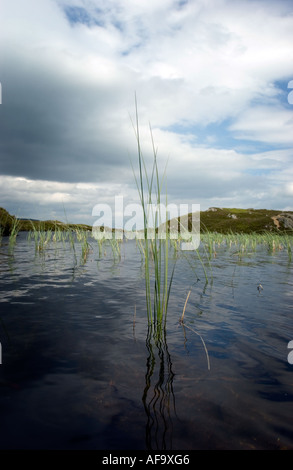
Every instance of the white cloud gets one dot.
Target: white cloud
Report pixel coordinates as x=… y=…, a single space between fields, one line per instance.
x=67 y=201
x=68 y=87
x=265 y=123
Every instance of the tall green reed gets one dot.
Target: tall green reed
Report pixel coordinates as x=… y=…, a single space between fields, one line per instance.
x=154 y=246
x=13 y=233
x=42 y=238
x=248 y=243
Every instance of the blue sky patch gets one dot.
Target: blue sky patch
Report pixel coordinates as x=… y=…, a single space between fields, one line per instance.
x=77 y=15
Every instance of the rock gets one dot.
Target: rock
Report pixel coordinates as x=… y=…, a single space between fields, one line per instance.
x=286 y=220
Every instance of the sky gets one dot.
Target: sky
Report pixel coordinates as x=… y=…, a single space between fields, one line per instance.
x=211 y=78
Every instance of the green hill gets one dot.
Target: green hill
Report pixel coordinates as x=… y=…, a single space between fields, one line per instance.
x=226 y=220
x=215 y=219
x=7 y=222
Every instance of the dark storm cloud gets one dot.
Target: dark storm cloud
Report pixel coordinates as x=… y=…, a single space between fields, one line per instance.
x=54 y=127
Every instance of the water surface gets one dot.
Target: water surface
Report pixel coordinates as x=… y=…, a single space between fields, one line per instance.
x=80 y=370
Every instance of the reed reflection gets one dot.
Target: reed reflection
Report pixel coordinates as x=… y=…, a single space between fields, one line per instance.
x=158 y=396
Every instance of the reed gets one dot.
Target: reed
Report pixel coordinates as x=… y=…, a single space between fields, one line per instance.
x=14 y=232
x=41 y=238
x=183 y=324
x=155 y=249
x=82 y=238
x=116 y=248
x=248 y=243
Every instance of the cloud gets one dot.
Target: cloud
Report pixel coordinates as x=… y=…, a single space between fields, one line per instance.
x=210 y=77
x=265 y=123
x=72 y=202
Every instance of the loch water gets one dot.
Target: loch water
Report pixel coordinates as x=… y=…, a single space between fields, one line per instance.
x=80 y=369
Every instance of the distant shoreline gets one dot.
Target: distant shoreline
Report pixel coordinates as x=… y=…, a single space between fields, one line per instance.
x=214 y=219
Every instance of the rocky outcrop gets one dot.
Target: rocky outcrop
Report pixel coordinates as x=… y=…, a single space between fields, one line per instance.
x=213 y=209
x=284 y=220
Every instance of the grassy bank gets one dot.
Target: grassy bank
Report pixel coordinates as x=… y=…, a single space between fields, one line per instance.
x=9 y=223
x=219 y=220
x=227 y=220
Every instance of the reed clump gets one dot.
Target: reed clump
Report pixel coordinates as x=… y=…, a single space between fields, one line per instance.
x=44 y=239
x=244 y=243
x=154 y=248
x=15 y=227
